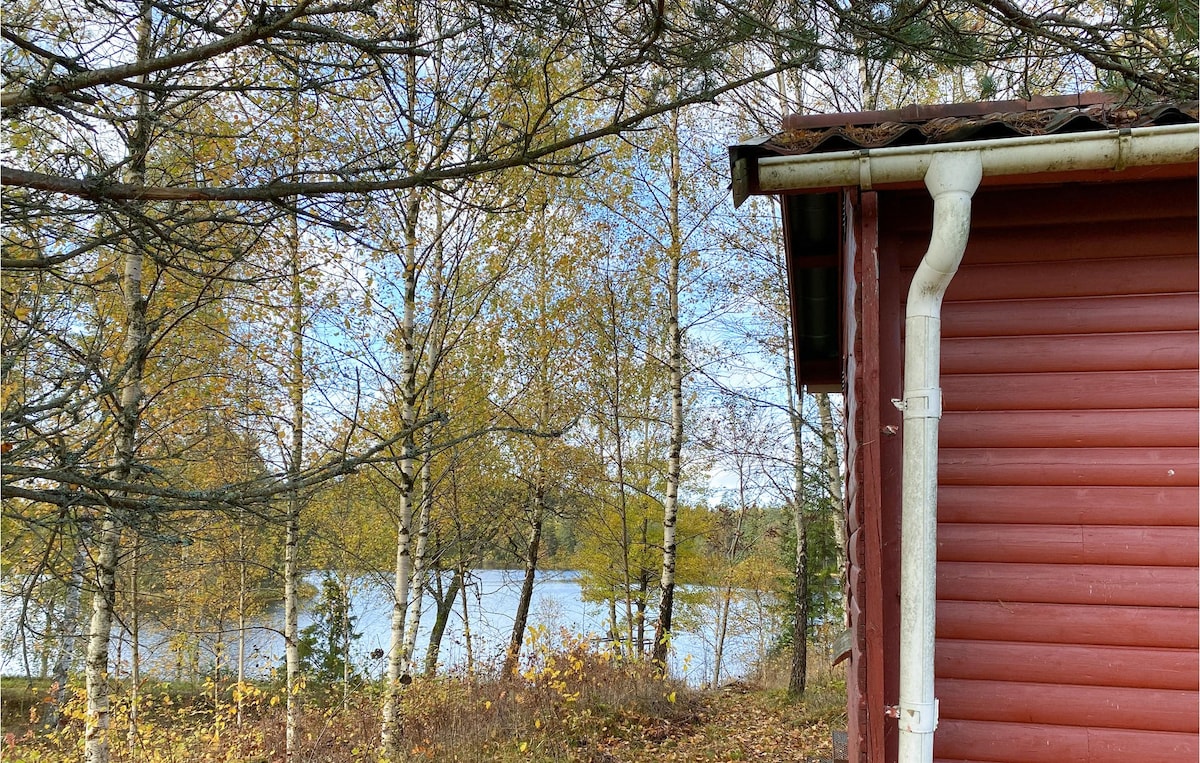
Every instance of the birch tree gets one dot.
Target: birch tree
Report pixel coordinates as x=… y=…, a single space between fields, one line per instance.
x=132 y=361
x=407 y=404
x=666 y=603
x=663 y=208
x=624 y=382
x=541 y=386
x=294 y=454
x=798 y=677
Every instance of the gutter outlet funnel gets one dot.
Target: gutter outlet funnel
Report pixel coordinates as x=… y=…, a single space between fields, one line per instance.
x=951 y=179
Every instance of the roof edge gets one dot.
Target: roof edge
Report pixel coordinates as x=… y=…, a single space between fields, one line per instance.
x=922 y=113
x=1110 y=149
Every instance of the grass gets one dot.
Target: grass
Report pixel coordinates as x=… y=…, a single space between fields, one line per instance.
x=21 y=701
x=569 y=702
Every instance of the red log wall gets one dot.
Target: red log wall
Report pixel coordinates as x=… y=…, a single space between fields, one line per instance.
x=1068 y=503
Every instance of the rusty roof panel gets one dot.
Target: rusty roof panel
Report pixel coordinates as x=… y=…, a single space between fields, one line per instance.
x=925 y=125
x=926 y=112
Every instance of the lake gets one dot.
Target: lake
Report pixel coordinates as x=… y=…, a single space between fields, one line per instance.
x=492 y=599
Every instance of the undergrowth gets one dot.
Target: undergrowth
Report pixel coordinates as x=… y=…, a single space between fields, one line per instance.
x=567 y=696
x=570 y=700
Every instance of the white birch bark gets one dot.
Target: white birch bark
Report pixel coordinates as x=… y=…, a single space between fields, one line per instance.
x=242 y=603
x=397 y=659
x=67 y=638
x=727 y=592
x=434 y=346
x=833 y=481
x=799 y=672
x=666 y=604
x=133 y=363
x=135 y=652
x=468 y=640
x=95 y=739
x=419 y=566
x=291 y=561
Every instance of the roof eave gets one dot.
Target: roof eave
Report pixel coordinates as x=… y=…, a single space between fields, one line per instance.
x=754 y=172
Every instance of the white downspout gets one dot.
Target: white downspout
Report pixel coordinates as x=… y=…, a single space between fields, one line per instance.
x=951 y=179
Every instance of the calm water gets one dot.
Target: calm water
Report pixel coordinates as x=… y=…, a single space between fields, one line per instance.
x=492 y=599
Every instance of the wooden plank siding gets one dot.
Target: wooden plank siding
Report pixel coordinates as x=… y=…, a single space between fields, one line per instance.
x=1068 y=588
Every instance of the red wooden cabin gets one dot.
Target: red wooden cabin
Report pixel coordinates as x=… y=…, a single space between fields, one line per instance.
x=1066 y=465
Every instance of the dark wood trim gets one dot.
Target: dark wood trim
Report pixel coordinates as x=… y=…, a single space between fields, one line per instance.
x=868 y=238
x=856 y=682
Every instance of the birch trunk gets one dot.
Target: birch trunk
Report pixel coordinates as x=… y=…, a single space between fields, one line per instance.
x=445 y=605
x=344 y=614
x=799 y=672
x=460 y=574
x=799 y=667
x=619 y=456
x=833 y=476
x=433 y=352
x=242 y=596
x=419 y=574
x=521 y=618
x=291 y=561
x=645 y=575
x=133 y=366
x=468 y=643
x=218 y=664
x=67 y=638
x=722 y=630
x=397 y=659
x=95 y=740
x=727 y=593
x=666 y=604
x=390 y=733
x=135 y=652
x=612 y=619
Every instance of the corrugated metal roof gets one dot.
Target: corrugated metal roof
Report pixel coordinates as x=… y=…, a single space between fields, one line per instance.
x=925 y=125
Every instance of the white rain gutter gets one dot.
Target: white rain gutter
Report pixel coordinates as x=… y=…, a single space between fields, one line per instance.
x=951 y=172
x=1110 y=149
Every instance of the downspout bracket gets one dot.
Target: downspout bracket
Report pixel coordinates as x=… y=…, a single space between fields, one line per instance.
x=919 y=717
x=922 y=403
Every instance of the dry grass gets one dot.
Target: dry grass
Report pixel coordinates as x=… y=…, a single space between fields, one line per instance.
x=565 y=695
x=569 y=702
